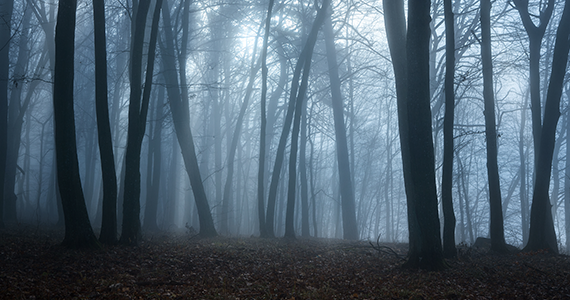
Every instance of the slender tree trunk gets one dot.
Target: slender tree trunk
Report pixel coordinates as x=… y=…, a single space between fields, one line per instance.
x=395 y=22
x=350 y=229
x=263 y=130
x=138 y=109
x=78 y=231
x=496 y=227
x=523 y=188
x=298 y=97
x=447 y=176
x=154 y=166
x=180 y=116
x=108 y=233
x=541 y=233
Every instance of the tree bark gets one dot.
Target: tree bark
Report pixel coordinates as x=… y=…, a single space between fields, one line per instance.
x=541 y=233
x=78 y=231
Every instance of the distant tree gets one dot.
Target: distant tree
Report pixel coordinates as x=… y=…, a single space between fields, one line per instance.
x=496 y=228
x=78 y=231
x=350 y=228
x=6 y=7
x=108 y=233
x=541 y=233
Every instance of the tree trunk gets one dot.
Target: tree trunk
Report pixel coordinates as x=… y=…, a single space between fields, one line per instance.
x=78 y=231
x=108 y=233
x=138 y=108
x=350 y=229
x=541 y=233
x=395 y=22
x=496 y=227
x=180 y=116
x=6 y=8
x=535 y=36
x=422 y=164
x=449 y=249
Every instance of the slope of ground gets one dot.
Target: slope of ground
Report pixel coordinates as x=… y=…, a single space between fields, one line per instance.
x=34 y=266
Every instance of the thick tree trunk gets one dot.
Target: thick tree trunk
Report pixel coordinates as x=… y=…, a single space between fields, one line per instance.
x=449 y=249
x=181 y=119
x=6 y=7
x=422 y=161
x=542 y=234
x=350 y=229
x=496 y=227
x=78 y=231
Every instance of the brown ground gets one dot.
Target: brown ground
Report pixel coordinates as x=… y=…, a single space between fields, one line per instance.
x=34 y=266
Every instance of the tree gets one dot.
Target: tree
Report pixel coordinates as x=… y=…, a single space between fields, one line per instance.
x=6 y=7
x=78 y=231
x=297 y=99
x=449 y=249
x=263 y=131
x=138 y=109
x=541 y=233
x=180 y=116
x=350 y=228
x=108 y=233
x=535 y=35
x=422 y=164
x=496 y=227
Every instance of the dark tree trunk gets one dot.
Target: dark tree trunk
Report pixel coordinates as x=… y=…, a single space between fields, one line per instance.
x=154 y=165
x=496 y=226
x=422 y=165
x=6 y=7
x=263 y=130
x=542 y=234
x=395 y=22
x=138 y=108
x=447 y=176
x=181 y=119
x=108 y=233
x=78 y=231
x=350 y=229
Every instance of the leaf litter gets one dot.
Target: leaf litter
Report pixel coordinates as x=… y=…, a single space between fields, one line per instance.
x=169 y=266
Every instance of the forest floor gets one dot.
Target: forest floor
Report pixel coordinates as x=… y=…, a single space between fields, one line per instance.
x=34 y=266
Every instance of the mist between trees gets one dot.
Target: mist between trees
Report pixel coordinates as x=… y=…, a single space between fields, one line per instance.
x=338 y=119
